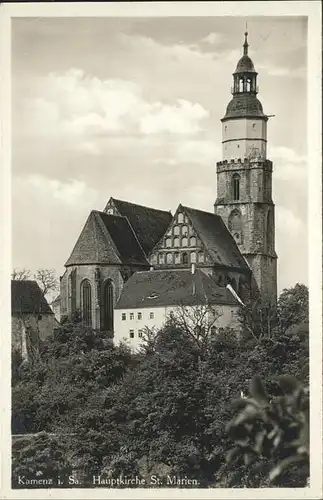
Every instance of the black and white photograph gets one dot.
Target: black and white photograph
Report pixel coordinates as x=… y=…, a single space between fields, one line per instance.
x=162 y=273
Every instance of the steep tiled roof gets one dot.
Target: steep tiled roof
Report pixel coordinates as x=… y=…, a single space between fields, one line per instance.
x=149 y=224
x=216 y=238
x=172 y=287
x=107 y=239
x=27 y=297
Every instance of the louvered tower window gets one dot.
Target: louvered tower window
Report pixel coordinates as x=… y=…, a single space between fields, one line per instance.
x=236 y=187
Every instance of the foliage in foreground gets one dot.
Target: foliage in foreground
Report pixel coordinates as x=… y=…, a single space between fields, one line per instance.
x=162 y=411
x=274 y=428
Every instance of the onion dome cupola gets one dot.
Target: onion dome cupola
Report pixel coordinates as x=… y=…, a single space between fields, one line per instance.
x=244 y=103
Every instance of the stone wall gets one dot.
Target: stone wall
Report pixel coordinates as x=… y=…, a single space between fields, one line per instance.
x=27 y=330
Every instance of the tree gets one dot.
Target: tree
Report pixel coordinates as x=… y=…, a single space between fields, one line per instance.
x=293 y=306
x=46 y=278
x=20 y=274
x=276 y=428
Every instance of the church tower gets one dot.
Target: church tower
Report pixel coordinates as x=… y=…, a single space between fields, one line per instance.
x=244 y=178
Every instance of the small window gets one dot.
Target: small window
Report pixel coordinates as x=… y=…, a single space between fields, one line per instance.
x=177 y=258
x=123 y=316
x=131 y=334
x=132 y=316
x=184 y=231
x=185 y=219
x=161 y=258
x=201 y=257
x=153 y=259
x=169 y=258
x=110 y=211
x=151 y=315
x=192 y=241
x=176 y=230
x=236 y=186
x=253 y=125
x=176 y=242
x=185 y=258
x=140 y=334
x=180 y=218
x=184 y=242
x=168 y=242
x=193 y=257
x=139 y=315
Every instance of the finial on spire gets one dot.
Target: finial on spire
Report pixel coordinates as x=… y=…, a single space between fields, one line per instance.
x=245 y=45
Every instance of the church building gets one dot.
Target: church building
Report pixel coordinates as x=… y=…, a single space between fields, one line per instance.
x=233 y=245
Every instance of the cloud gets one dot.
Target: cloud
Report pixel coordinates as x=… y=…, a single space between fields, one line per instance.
x=69 y=192
x=288 y=165
x=213 y=38
x=77 y=104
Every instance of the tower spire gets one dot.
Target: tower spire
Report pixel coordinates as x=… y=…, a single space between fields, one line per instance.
x=245 y=45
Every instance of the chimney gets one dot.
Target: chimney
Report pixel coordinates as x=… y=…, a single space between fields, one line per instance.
x=193 y=269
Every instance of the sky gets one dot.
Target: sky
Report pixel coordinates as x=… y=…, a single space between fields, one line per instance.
x=131 y=108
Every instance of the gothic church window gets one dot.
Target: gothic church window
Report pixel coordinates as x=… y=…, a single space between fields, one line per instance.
x=168 y=242
x=176 y=242
x=184 y=242
x=193 y=257
x=184 y=231
x=235 y=225
x=185 y=258
x=236 y=186
x=169 y=258
x=176 y=230
x=192 y=241
x=107 y=306
x=86 y=303
x=180 y=218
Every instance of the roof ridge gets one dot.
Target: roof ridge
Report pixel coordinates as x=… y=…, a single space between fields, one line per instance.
x=201 y=211
x=139 y=205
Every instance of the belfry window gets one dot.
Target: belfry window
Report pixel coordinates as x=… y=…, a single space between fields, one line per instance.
x=236 y=187
x=86 y=303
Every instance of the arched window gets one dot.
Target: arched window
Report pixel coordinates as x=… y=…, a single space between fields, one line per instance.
x=176 y=230
x=169 y=258
x=161 y=258
x=201 y=257
x=71 y=287
x=86 y=303
x=153 y=259
x=192 y=241
x=236 y=186
x=168 y=242
x=241 y=85
x=184 y=231
x=107 y=307
x=176 y=242
x=177 y=258
x=235 y=225
x=248 y=85
x=184 y=242
x=193 y=257
x=180 y=218
x=185 y=258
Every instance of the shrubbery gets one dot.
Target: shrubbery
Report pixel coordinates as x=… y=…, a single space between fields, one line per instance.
x=162 y=411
